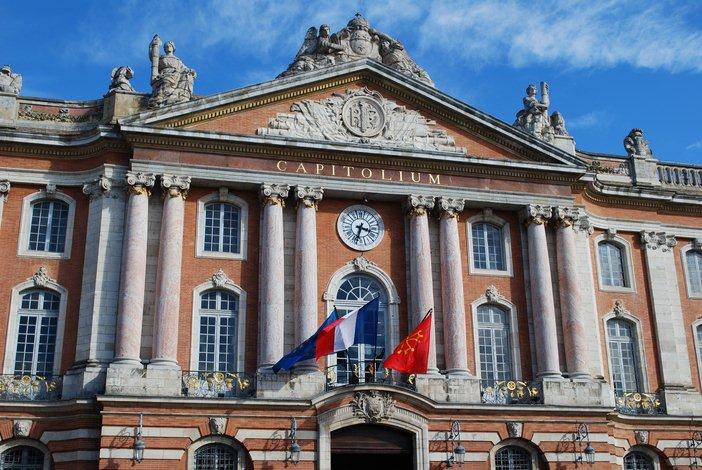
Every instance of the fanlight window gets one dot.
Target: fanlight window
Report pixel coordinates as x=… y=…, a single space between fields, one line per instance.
x=222 y=228
x=218 y=313
x=623 y=353
x=693 y=259
x=488 y=249
x=216 y=457
x=47 y=230
x=494 y=344
x=637 y=461
x=513 y=458
x=36 y=332
x=357 y=363
x=22 y=458
x=612 y=269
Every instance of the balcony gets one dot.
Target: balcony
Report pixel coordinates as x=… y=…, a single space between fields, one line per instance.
x=639 y=403
x=511 y=392
x=341 y=375
x=677 y=176
x=205 y=384
x=30 y=387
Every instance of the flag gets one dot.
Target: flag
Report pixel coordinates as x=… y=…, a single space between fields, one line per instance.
x=359 y=326
x=306 y=350
x=412 y=354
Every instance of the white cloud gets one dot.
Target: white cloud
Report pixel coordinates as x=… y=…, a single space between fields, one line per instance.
x=695 y=146
x=589 y=120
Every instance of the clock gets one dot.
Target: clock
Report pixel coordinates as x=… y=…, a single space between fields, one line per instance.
x=360 y=227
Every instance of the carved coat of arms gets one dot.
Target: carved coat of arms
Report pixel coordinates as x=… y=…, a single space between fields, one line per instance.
x=373 y=406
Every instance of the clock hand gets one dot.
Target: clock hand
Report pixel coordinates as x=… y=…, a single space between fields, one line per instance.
x=363 y=227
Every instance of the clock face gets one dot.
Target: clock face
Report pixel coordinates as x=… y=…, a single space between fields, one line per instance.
x=360 y=227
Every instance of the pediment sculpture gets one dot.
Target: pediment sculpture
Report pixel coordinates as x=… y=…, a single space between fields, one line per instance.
x=373 y=406
x=360 y=116
x=534 y=118
x=357 y=40
x=171 y=81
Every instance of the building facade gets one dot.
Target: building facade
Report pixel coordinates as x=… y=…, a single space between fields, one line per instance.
x=165 y=249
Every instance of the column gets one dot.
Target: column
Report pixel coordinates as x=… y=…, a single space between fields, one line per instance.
x=131 y=298
x=569 y=282
x=165 y=349
x=667 y=310
x=452 y=301
x=420 y=267
x=4 y=192
x=271 y=275
x=543 y=309
x=305 y=302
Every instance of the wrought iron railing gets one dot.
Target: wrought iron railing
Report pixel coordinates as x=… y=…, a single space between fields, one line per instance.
x=205 y=384
x=639 y=403
x=680 y=176
x=511 y=392
x=367 y=372
x=30 y=387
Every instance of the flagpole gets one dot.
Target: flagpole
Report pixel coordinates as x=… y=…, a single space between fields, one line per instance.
x=375 y=342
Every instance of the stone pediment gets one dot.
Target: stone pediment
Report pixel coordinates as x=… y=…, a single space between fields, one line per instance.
x=360 y=116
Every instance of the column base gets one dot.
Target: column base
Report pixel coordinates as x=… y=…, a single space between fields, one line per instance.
x=449 y=389
x=140 y=381
x=162 y=364
x=84 y=381
x=577 y=392
x=682 y=401
x=294 y=386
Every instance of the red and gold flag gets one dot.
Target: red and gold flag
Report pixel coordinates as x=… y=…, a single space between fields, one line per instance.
x=412 y=354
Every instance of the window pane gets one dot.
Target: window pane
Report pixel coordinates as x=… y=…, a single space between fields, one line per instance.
x=637 y=461
x=488 y=249
x=612 y=265
x=624 y=356
x=694 y=271
x=217 y=348
x=37 y=325
x=47 y=231
x=215 y=457
x=494 y=344
x=222 y=228
x=22 y=458
x=513 y=458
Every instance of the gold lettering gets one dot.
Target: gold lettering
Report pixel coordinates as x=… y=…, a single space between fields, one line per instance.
x=301 y=168
x=434 y=179
x=419 y=177
x=320 y=167
x=366 y=173
x=382 y=176
x=333 y=170
x=401 y=176
x=348 y=169
x=282 y=165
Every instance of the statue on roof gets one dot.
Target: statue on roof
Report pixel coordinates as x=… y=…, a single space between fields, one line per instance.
x=534 y=119
x=357 y=40
x=10 y=82
x=636 y=145
x=120 y=78
x=171 y=80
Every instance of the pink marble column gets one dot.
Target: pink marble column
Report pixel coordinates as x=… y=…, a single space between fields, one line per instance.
x=305 y=301
x=420 y=267
x=131 y=299
x=543 y=309
x=271 y=275
x=165 y=349
x=452 y=301
x=572 y=314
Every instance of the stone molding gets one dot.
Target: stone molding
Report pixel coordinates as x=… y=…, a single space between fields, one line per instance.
x=175 y=185
x=41 y=278
x=655 y=240
x=418 y=205
x=584 y=224
x=101 y=187
x=139 y=182
x=274 y=194
x=537 y=214
x=450 y=206
x=619 y=310
x=565 y=216
x=309 y=196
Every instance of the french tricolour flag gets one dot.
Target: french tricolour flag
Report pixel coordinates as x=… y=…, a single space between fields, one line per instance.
x=359 y=326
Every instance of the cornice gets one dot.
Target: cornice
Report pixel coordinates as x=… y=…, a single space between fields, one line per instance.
x=619 y=196
x=74 y=147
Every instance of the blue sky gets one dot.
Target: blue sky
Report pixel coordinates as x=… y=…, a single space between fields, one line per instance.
x=611 y=65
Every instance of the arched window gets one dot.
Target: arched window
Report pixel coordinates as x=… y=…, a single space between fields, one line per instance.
x=637 y=461
x=47 y=229
x=488 y=252
x=22 y=458
x=353 y=364
x=612 y=269
x=37 y=323
x=693 y=261
x=222 y=228
x=494 y=344
x=217 y=349
x=216 y=457
x=624 y=356
x=513 y=458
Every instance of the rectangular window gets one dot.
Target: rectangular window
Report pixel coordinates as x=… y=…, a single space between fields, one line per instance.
x=48 y=226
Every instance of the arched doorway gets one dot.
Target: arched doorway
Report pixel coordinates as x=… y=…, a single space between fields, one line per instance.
x=367 y=446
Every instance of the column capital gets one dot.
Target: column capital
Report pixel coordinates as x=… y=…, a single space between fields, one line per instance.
x=175 y=185
x=309 y=196
x=4 y=189
x=99 y=188
x=584 y=224
x=565 y=216
x=654 y=240
x=451 y=206
x=275 y=194
x=139 y=182
x=419 y=204
x=536 y=214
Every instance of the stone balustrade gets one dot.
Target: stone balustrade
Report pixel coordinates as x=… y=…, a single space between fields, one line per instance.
x=686 y=177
